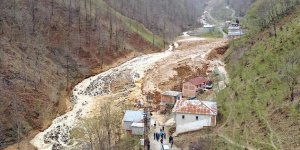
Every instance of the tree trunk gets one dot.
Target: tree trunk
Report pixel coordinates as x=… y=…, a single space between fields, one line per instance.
x=52 y=4
x=274 y=27
x=109 y=139
x=70 y=3
x=14 y=8
x=33 y=16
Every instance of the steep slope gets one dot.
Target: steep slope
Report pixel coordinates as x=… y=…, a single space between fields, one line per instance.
x=46 y=47
x=43 y=54
x=260 y=107
x=166 y=18
x=240 y=6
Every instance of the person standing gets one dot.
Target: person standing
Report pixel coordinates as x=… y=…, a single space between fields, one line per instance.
x=161 y=141
x=157 y=136
x=148 y=146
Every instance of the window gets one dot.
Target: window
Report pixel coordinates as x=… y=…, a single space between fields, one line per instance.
x=197 y=118
x=182 y=116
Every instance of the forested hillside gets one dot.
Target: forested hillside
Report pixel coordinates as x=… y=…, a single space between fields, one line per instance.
x=240 y=6
x=47 y=46
x=260 y=107
x=166 y=18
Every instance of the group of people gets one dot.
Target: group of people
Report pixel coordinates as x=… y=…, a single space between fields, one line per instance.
x=161 y=135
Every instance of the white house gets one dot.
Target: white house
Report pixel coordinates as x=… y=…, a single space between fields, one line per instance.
x=234 y=29
x=191 y=115
x=133 y=122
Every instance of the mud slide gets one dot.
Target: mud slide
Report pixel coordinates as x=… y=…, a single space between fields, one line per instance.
x=133 y=73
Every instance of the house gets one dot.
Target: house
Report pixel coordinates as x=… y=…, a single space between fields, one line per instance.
x=191 y=115
x=190 y=88
x=234 y=29
x=208 y=27
x=133 y=122
x=169 y=97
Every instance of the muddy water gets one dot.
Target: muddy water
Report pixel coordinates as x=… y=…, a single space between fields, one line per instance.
x=84 y=95
x=84 y=98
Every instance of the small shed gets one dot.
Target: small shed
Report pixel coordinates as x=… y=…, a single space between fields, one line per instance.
x=130 y=117
x=137 y=128
x=190 y=87
x=169 y=97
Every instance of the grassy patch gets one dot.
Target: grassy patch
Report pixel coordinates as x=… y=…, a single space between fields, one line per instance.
x=215 y=33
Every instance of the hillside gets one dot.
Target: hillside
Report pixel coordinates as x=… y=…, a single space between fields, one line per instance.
x=46 y=47
x=166 y=18
x=260 y=107
x=240 y=7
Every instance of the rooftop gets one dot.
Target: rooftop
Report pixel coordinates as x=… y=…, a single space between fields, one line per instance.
x=208 y=26
x=195 y=107
x=171 y=93
x=198 y=80
x=133 y=116
x=234 y=28
x=140 y=125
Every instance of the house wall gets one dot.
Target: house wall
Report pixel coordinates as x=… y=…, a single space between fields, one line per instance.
x=137 y=131
x=127 y=125
x=168 y=99
x=189 y=123
x=189 y=90
x=188 y=118
x=162 y=107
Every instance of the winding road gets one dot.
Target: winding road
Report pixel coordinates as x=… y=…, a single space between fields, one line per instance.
x=219 y=24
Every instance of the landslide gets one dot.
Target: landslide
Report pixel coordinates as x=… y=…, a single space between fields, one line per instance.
x=47 y=47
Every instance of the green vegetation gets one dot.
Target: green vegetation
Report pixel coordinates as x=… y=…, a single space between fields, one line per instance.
x=221 y=13
x=225 y=30
x=129 y=143
x=215 y=33
x=260 y=106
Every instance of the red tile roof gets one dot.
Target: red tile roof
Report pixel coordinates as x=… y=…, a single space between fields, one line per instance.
x=195 y=107
x=198 y=80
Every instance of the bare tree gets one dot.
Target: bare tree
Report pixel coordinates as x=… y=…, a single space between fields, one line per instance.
x=17 y=120
x=33 y=15
x=52 y=8
x=14 y=10
x=291 y=75
x=102 y=131
x=70 y=12
x=153 y=38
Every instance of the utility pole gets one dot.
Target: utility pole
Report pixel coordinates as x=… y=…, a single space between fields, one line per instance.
x=146 y=127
